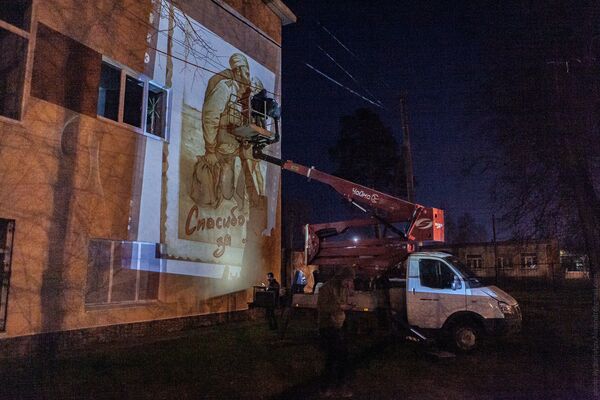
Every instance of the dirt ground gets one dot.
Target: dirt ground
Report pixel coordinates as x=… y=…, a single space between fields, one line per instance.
x=550 y=359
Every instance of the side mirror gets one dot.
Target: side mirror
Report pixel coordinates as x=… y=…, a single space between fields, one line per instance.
x=456 y=283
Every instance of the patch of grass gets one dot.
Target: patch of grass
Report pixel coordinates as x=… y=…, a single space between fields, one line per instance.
x=551 y=358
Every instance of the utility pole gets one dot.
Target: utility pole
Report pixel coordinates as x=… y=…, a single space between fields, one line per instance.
x=497 y=267
x=406 y=151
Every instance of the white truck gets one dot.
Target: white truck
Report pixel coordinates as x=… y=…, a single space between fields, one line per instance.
x=421 y=290
x=433 y=293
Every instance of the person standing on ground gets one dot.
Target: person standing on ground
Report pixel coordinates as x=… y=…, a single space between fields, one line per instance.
x=299 y=282
x=332 y=305
x=272 y=287
x=316 y=279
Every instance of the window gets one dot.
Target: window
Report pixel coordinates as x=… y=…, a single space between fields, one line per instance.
x=157 y=108
x=474 y=261
x=7 y=228
x=108 y=96
x=529 y=260
x=16 y=13
x=14 y=39
x=574 y=263
x=133 y=100
x=121 y=272
x=435 y=274
x=503 y=263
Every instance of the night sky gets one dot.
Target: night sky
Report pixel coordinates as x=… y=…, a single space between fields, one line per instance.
x=431 y=50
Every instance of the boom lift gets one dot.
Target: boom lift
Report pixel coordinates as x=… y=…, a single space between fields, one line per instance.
x=411 y=223
x=422 y=291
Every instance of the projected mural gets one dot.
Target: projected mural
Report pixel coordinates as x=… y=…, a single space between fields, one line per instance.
x=216 y=193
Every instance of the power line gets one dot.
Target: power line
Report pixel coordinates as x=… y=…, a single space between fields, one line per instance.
x=349 y=74
x=345 y=47
x=342 y=86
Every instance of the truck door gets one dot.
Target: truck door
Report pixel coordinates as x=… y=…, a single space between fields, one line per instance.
x=434 y=293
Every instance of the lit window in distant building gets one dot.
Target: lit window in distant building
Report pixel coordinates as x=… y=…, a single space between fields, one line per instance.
x=529 y=260
x=474 y=261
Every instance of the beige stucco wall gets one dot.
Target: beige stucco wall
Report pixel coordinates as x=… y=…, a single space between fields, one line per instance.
x=67 y=177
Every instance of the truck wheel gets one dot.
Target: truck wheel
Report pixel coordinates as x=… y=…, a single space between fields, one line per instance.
x=465 y=336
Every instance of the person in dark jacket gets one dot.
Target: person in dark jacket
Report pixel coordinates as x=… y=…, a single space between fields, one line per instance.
x=272 y=287
x=263 y=107
x=332 y=304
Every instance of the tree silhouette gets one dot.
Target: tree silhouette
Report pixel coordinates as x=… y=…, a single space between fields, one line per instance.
x=366 y=152
x=541 y=120
x=464 y=229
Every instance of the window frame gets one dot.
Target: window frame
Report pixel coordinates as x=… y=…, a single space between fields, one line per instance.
x=476 y=257
x=534 y=259
x=439 y=267
x=136 y=301
x=124 y=72
x=7 y=250
x=504 y=262
x=30 y=37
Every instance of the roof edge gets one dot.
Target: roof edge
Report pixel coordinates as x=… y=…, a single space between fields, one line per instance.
x=282 y=11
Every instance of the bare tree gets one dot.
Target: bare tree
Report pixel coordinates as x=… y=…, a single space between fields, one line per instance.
x=366 y=152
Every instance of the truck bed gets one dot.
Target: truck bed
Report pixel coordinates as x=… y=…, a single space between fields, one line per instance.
x=364 y=301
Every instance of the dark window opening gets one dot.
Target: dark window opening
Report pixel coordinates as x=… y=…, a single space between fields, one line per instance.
x=16 y=12
x=12 y=73
x=134 y=97
x=7 y=228
x=109 y=93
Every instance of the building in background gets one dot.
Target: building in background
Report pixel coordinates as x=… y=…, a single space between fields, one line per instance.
x=123 y=197
x=514 y=260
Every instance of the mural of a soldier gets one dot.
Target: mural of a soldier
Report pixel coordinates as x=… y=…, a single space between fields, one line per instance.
x=215 y=171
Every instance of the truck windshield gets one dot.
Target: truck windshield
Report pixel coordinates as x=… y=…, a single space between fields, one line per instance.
x=465 y=272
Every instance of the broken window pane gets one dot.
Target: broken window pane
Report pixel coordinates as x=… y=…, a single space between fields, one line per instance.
x=134 y=96
x=16 y=12
x=155 y=118
x=12 y=72
x=108 y=96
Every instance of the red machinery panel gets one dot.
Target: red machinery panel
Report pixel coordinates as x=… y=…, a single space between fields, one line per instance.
x=429 y=226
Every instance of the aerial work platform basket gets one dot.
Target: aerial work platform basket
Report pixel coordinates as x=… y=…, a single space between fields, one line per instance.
x=254 y=119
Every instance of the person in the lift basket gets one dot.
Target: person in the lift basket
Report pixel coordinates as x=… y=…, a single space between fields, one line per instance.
x=263 y=107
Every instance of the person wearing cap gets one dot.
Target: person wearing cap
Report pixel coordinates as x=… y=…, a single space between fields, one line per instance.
x=221 y=147
x=332 y=304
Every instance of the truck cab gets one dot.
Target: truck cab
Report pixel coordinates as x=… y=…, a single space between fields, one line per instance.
x=441 y=293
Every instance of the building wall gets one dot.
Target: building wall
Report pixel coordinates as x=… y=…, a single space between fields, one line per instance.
x=70 y=178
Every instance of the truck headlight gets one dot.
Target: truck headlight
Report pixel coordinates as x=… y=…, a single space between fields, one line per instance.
x=505 y=308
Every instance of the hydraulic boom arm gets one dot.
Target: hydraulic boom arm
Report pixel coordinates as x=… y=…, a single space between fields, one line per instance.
x=425 y=223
